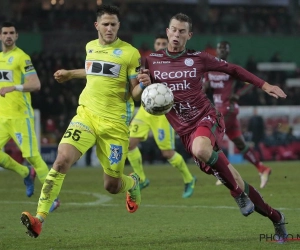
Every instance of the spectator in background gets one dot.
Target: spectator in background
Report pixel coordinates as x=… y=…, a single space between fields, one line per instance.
x=256 y=127
x=251 y=64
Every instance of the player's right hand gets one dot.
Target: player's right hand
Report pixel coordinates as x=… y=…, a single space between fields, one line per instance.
x=62 y=75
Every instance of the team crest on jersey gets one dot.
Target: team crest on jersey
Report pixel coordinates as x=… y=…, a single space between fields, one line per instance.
x=189 y=62
x=10 y=60
x=19 y=138
x=161 y=134
x=117 y=52
x=115 y=154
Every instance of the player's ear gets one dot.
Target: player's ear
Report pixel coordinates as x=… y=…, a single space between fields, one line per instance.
x=190 y=35
x=17 y=36
x=96 y=25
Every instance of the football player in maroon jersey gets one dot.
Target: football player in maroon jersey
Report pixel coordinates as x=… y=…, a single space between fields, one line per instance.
x=198 y=123
x=225 y=99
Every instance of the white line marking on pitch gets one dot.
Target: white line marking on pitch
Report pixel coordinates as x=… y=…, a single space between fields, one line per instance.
x=103 y=199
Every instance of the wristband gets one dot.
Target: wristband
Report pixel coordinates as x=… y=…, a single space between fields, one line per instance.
x=19 y=88
x=142 y=86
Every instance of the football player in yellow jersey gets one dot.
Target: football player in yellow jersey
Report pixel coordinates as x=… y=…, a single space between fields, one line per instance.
x=164 y=137
x=103 y=116
x=17 y=79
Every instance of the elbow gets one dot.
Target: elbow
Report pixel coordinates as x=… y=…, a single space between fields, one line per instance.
x=37 y=86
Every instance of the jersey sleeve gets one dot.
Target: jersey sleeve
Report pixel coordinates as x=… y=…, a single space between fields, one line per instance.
x=134 y=64
x=212 y=63
x=26 y=65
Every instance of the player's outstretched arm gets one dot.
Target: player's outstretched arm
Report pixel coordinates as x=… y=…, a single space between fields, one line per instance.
x=32 y=83
x=63 y=75
x=238 y=72
x=273 y=90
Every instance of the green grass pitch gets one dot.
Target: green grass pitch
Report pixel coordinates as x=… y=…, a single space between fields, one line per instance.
x=90 y=218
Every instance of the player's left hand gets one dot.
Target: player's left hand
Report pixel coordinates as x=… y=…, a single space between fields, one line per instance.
x=5 y=90
x=273 y=90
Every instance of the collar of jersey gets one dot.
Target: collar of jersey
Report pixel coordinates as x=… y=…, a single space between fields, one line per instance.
x=176 y=55
x=111 y=44
x=7 y=53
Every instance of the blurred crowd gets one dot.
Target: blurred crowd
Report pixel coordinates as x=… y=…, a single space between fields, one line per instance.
x=152 y=18
x=58 y=102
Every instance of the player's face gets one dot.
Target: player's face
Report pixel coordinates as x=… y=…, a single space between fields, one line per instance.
x=178 y=34
x=160 y=43
x=223 y=50
x=107 y=26
x=8 y=36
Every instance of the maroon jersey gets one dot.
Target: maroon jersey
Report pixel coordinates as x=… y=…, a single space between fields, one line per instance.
x=182 y=73
x=223 y=87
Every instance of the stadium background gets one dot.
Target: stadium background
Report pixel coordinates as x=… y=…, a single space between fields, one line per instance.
x=264 y=37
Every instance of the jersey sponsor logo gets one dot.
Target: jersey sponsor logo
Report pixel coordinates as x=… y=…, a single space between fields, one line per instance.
x=194 y=54
x=28 y=68
x=137 y=69
x=161 y=62
x=116 y=153
x=101 y=51
x=179 y=86
x=189 y=62
x=175 y=74
x=161 y=134
x=90 y=51
x=217 y=85
x=156 y=55
x=102 y=68
x=218 y=77
x=6 y=76
x=217 y=98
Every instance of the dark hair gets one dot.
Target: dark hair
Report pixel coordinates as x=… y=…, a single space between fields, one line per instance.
x=183 y=18
x=162 y=36
x=7 y=24
x=108 y=9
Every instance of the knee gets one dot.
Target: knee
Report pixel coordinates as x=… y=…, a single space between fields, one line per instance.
x=203 y=154
x=167 y=154
x=112 y=187
x=62 y=163
x=133 y=143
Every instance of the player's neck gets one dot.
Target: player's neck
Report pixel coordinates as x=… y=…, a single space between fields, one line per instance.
x=103 y=43
x=173 y=53
x=7 y=49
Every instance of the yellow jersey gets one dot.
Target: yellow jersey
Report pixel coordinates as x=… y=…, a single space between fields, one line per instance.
x=108 y=71
x=15 y=65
